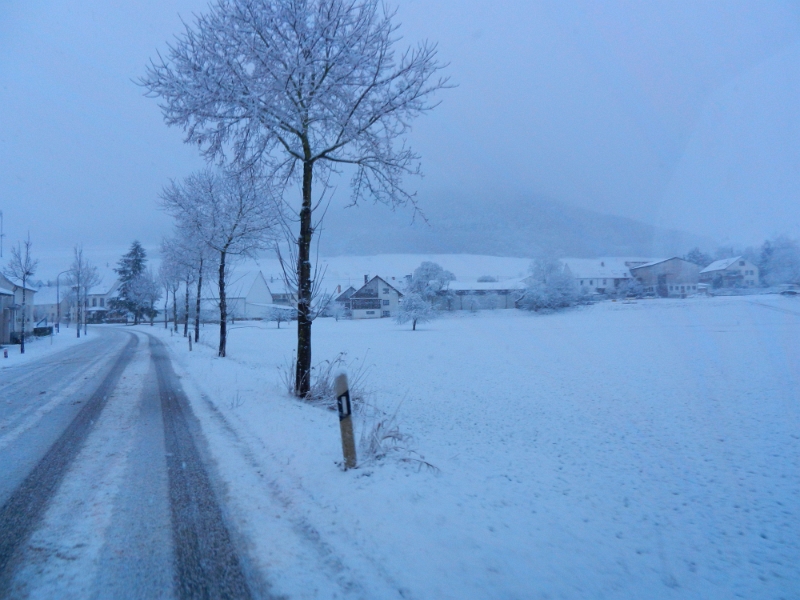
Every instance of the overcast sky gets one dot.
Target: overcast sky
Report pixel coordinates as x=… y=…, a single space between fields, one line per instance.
x=680 y=114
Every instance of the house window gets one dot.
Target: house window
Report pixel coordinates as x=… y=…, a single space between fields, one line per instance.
x=102 y=301
x=581 y=281
x=385 y=290
x=94 y=301
x=386 y=303
x=591 y=282
x=370 y=312
x=604 y=281
x=741 y=263
x=385 y=313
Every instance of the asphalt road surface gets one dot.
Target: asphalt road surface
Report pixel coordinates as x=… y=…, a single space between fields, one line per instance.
x=105 y=488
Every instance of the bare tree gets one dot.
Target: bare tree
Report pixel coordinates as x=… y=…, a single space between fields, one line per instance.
x=300 y=89
x=230 y=214
x=21 y=268
x=169 y=275
x=81 y=278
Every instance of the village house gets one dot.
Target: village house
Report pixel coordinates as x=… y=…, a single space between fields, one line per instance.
x=480 y=295
x=375 y=299
x=247 y=296
x=668 y=278
x=604 y=276
x=11 y=302
x=730 y=272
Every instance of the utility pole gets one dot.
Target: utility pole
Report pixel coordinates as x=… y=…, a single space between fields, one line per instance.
x=2 y=235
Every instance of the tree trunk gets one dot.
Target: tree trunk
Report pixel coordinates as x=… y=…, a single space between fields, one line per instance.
x=197 y=303
x=413 y=324
x=223 y=307
x=186 y=321
x=22 y=339
x=166 y=308
x=302 y=381
x=175 y=309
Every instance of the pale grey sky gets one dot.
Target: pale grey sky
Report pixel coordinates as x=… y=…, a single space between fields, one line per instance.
x=680 y=114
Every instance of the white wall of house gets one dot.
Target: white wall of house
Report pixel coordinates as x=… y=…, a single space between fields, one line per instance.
x=736 y=271
x=386 y=296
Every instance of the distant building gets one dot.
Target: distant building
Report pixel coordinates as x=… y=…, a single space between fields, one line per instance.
x=603 y=275
x=731 y=272
x=668 y=278
x=480 y=295
x=375 y=299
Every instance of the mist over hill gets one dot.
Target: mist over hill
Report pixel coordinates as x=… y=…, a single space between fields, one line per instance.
x=505 y=225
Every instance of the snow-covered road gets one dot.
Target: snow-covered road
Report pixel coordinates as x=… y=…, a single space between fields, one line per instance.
x=103 y=484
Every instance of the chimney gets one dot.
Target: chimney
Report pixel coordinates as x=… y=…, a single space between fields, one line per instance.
x=366 y=279
x=338 y=289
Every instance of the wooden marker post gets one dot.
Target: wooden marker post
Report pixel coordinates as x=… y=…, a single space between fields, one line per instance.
x=345 y=420
x=190 y=343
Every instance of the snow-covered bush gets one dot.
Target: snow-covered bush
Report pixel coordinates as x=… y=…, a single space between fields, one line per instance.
x=780 y=261
x=415 y=308
x=549 y=287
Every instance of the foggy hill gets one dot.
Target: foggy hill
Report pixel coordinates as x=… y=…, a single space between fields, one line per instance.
x=502 y=226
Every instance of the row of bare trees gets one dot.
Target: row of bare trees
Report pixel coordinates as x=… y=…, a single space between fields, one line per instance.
x=283 y=94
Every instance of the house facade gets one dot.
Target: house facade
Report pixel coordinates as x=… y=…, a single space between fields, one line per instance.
x=375 y=299
x=603 y=276
x=731 y=272
x=668 y=278
x=12 y=315
x=480 y=295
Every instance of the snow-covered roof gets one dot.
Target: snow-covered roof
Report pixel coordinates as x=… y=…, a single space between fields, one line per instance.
x=506 y=284
x=361 y=294
x=720 y=265
x=241 y=282
x=656 y=262
x=601 y=268
x=5 y=292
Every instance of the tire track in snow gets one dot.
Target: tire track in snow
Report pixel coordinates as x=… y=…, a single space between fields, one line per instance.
x=206 y=562
x=25 y=507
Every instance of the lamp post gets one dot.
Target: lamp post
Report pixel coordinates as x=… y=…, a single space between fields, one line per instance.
x=58 y=302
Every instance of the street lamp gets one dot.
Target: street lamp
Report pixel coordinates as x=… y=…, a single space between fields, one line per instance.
x=58 y=302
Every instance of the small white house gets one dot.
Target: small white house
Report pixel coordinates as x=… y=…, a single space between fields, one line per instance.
x=608 y=275
x=375 y=299
x=731 y=272
x=481 y=295
x=11 y=303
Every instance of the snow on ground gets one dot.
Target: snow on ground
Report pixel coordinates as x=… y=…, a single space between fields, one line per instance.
x=36 y=348
x=645 y=450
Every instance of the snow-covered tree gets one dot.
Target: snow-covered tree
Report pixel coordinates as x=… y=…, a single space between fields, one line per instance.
x=144 y=291
x=780 y=261
x=228 y=212
x=81 y=278
x=698 y=257
x=129 y=268
x=416 y=308
x=170 y=275
x=550 y=286
x=300 y=89
x=429 y=280
x=21 y=268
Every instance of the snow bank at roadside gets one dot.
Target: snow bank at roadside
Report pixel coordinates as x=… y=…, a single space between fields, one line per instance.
x=620 y=451
x=36 y=348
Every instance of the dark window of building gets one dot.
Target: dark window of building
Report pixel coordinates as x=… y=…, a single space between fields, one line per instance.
x=386 y=303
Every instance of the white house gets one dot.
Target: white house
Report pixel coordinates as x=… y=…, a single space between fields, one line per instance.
x=731 y=272
x=12 y=308
x=248 y=296
x=375 y=299
x=603 y=275
x=481 y=295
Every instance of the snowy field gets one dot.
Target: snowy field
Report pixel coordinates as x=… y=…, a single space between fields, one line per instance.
x=645 y=450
